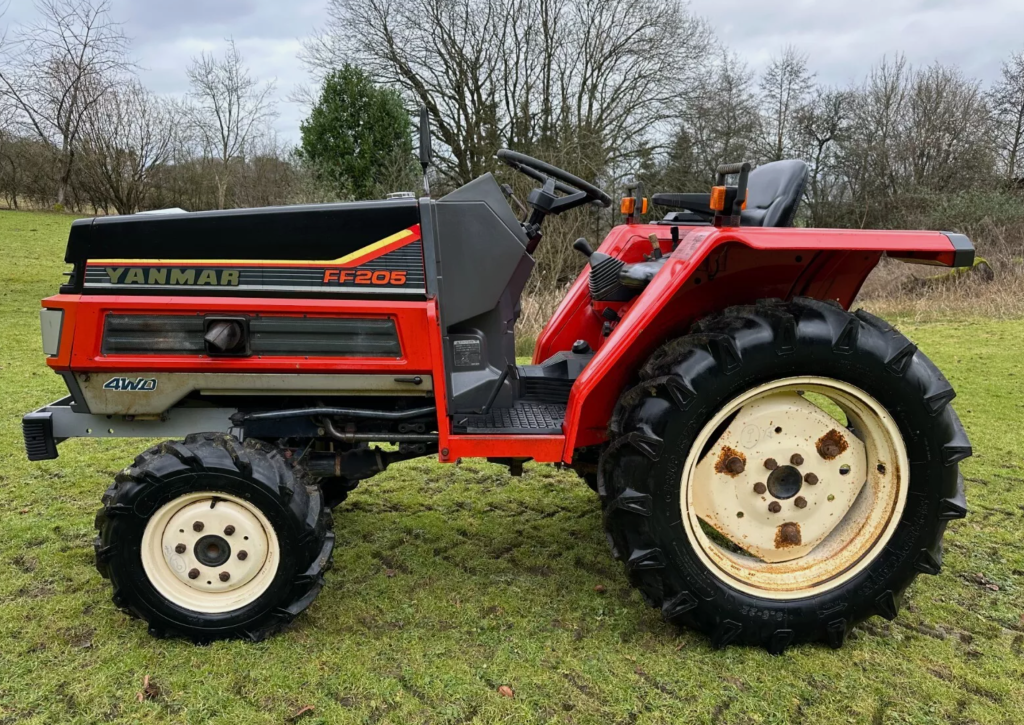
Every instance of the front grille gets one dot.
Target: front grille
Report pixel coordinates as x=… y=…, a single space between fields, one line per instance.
x=153 y=335
x=269 y=336
x=320 y=336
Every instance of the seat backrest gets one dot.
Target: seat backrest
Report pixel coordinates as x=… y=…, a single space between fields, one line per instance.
x=773 y=193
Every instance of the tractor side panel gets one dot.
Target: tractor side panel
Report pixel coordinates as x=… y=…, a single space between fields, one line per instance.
x=709 y=270
x=140 y=355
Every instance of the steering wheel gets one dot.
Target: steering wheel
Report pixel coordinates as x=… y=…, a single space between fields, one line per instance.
x=576 y=190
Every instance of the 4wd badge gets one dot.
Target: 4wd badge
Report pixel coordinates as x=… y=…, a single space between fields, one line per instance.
x=129 y=385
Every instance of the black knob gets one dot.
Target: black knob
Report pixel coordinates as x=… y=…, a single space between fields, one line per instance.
x=583 y=247
x=580 y=347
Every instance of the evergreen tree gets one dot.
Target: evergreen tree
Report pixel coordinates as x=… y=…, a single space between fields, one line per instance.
x=358 y=138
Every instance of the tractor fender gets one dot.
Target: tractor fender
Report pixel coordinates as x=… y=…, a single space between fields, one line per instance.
x=709 y=270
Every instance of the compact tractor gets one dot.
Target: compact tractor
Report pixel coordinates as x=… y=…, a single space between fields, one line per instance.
x=772 y=467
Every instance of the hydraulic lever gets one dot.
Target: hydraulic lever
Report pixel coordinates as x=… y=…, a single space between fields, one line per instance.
x=582 y=246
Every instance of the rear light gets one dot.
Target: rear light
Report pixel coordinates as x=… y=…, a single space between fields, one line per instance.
x=717 y=202
x=628 y=205
x=51 y=322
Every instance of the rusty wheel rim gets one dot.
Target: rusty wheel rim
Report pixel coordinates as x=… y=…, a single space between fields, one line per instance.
x=794 y=487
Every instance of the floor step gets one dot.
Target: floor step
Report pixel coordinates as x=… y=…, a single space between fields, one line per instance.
x=524 y=418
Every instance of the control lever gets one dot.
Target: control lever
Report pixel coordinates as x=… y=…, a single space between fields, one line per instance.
x=582 y=246
x=655 y=246
x=506 y=189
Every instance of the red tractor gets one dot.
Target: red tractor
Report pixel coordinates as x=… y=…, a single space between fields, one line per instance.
x=772 y=467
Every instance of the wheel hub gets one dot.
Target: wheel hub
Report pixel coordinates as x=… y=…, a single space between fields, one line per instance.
x=785 y=482
x=765 y=508
x=210 y=552
x=794 y=487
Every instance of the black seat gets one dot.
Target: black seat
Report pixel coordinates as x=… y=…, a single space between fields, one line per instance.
x=773 y=195
x=774 y=192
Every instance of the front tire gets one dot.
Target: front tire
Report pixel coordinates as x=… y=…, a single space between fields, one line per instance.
x=209 y=539
x=693 y=492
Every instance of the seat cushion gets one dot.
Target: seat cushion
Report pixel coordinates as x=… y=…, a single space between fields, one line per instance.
x=774 y=192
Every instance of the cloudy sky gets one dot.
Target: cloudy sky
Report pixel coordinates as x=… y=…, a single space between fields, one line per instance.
x=841 y=39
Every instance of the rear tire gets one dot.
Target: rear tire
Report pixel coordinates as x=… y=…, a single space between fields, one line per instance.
x=687 y=383
x=250 y=553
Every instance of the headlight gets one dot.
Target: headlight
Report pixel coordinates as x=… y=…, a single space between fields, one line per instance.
x=51 y=322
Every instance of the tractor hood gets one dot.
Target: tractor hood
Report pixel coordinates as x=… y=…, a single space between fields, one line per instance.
x=315 y=248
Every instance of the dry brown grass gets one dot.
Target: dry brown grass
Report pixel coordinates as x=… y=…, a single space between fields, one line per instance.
x=537 y=309
x=918 y=293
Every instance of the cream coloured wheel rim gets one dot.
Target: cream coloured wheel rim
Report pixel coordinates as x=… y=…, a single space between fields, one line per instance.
x=794 y=487
x=210 y=552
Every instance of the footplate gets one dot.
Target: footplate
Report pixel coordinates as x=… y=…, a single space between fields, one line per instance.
x=524 y=418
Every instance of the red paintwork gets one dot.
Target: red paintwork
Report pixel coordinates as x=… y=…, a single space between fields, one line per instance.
x=84 y=315
x=711 y=269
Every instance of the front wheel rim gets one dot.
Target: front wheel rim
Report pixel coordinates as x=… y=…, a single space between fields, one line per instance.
x=782 y=498
x=210 y=552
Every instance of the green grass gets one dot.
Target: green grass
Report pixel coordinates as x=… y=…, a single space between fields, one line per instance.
x=492 y=582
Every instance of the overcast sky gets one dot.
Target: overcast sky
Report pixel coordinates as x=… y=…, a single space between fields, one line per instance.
x=841 y=39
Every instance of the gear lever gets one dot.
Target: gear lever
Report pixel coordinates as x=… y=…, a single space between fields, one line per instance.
x=582 y=246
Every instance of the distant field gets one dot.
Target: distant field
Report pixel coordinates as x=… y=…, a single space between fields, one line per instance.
x=451 y=581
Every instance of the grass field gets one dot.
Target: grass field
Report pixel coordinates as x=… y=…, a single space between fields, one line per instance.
x=450 y=582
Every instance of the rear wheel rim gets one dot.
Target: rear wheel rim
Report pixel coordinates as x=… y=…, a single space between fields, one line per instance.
x=794 y=487
x=210 y=552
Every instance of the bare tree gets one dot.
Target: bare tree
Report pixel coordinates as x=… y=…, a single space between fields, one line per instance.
x=821 y=126
x=913 y=133
x=570 y=78
x=947 y=144
x=230 y=108
x=58 y=68
x=10 y=167
x=784 y=88
x=127 y=135
x=869 y=156
x=722 y=120
x=1006 y=98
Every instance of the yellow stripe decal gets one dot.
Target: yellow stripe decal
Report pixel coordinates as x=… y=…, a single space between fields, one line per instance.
x=369 y=249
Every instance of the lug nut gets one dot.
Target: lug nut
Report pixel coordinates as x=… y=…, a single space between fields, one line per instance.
x=796 y=459
x=193 y=573
x=735 y=465
x=771 y=464
x=180 y=549
x=243 y=555
x=800 y=502
x=228 y=530
x=828 y=450
x=224 y=576
x=197 y=526
x=774 y=507
x=760 y=487
x=810 y=479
